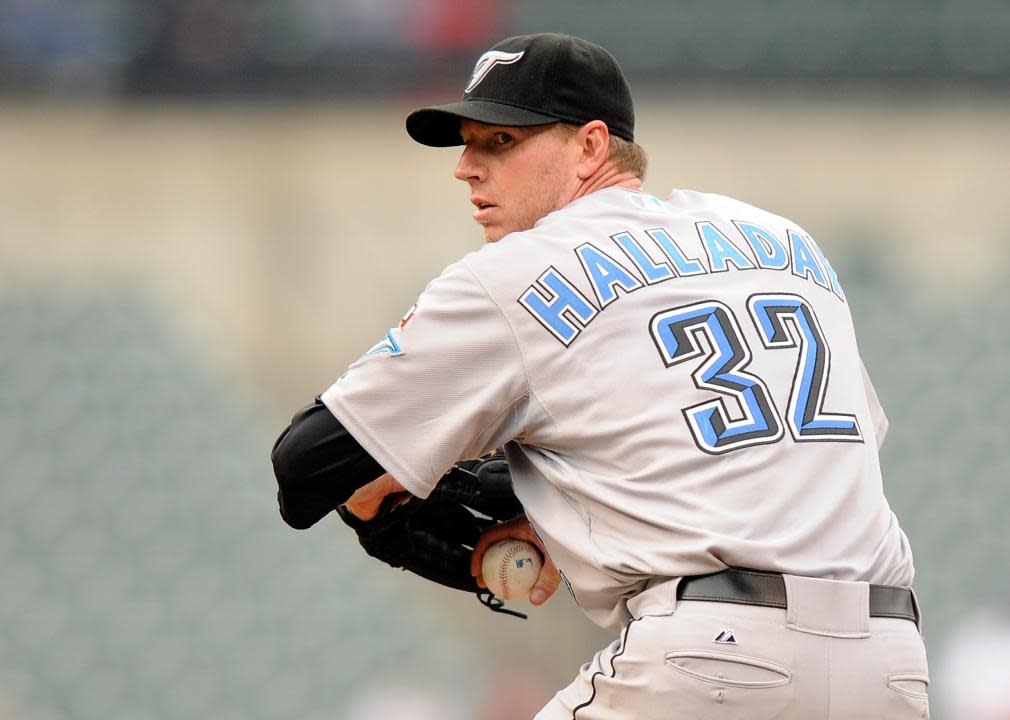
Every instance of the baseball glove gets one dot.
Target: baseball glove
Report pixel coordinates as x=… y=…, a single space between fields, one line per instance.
x=434 y=537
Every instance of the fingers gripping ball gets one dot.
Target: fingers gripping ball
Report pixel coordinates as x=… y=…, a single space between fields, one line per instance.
x=510 y=569
x=434 y=537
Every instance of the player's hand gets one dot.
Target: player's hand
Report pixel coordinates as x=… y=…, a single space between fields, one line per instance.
x=364 y=503
x=520 y=529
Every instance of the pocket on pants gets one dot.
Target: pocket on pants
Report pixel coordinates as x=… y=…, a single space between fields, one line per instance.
x=729 y=685
x=912 y=689
x=911 y=684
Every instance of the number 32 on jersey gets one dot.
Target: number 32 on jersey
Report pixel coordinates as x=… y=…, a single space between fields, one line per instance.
x=708 y=331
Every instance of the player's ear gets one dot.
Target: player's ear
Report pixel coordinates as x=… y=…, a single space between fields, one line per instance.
x=594 y=140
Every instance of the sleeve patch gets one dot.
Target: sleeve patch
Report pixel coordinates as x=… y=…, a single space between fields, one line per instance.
x=389 y=344
x=408 y=316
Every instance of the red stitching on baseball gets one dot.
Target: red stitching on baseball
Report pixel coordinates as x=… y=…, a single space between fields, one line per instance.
x=503 y=565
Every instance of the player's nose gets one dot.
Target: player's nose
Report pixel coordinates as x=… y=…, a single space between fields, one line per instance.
x=468 y=168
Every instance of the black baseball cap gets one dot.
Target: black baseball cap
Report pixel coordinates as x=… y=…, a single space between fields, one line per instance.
x=534 y=80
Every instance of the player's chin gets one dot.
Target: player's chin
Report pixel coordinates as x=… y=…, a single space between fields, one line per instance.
x=494 y=232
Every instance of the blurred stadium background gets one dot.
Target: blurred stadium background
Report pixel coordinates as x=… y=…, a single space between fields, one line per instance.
x=208 y=208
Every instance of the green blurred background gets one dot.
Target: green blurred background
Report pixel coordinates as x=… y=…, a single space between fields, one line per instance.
x=209 y=208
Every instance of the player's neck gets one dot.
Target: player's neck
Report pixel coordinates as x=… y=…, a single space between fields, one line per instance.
x=608 y=176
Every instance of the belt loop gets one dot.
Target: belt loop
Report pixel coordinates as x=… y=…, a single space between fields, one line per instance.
x=916 y=610
x=658 y=598
x=833 y=608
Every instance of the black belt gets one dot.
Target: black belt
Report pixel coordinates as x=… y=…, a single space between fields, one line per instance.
x=749 y=587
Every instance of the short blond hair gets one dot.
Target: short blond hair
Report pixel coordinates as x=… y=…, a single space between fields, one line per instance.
x=626 y=155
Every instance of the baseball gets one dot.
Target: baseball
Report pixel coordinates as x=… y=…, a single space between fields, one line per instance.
x=511 y=568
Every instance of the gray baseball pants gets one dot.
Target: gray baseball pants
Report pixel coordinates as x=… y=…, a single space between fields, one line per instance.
x=823 y=658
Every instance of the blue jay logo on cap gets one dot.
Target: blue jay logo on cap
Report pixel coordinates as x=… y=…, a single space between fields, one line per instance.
x=487 y=61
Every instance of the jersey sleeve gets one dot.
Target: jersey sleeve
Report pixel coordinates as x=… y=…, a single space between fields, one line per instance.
x=880 y=422
x=448 y=384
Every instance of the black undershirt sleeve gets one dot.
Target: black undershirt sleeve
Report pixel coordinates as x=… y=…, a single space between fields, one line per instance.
x=318 y=465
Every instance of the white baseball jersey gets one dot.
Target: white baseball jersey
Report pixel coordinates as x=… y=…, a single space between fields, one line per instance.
x=677 y=385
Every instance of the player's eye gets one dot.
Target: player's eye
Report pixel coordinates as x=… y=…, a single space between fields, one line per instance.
x=501 y=138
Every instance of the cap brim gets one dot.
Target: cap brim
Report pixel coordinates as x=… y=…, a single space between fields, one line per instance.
x=438 y=126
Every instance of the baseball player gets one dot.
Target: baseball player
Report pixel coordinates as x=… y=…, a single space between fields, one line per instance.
x=678 y=390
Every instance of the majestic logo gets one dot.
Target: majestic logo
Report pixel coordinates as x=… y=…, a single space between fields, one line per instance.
x=725 y=637
x=487 y=61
